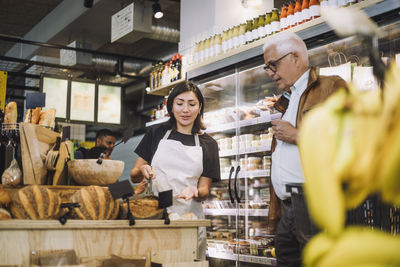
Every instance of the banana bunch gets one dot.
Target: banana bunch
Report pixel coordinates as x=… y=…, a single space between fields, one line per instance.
x=319 y=141
x=350 y=148
x=356 y=246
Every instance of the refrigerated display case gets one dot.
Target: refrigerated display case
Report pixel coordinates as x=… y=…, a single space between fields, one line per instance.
x=238 y=115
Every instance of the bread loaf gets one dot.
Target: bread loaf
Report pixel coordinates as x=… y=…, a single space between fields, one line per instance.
x=142 y=208
x=11 y=114
x=28 y=116
x=96 y=203
x=35 y=202
x=4 y=214
x=4 y=197
x=47 y=117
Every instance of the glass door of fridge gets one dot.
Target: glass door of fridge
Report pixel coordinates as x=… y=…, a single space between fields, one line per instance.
x=221 y=119
x=256 y=96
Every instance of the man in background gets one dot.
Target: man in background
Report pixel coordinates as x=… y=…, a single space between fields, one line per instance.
x=105 y=141
x=286 y=62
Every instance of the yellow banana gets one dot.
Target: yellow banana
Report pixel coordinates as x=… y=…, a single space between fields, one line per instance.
x=359 y=246
x=365 y=108
x=318 y=141
x=316 y=248
x=388 y=157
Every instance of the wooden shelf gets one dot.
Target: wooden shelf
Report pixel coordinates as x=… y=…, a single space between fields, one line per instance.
x=164 y=90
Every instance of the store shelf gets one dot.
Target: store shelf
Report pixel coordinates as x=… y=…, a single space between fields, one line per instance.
x=242 y=258
x=247 y=174
x=150 y=123
x=307 y=31
x=233 y=212
x=164 y=90
x=243 y=123
x=244 y=151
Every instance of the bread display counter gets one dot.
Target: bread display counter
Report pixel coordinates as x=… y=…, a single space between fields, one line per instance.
x=21 y=239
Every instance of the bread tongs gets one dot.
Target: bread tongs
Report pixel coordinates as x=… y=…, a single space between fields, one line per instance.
x=148 y=192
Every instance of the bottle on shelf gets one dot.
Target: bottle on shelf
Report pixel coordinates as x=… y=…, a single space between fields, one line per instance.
x=165 y=110
x=179 y=67
x=283 y=18
x=297 y=13
x=248 y=31
x=230 y=38
x=242 y=34
x=261 y=24
x=254 y=30
x=218 y=42
x=153 y=115
x=290 y=16
x=275 y=23
x=224 y=42
x=315 y=9
x=267 y=27
x=305 y=11
x=196 y=53
x=236 y=36
x=201 y=51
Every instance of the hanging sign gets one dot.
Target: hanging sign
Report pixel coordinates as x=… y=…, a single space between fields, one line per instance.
x=3 y=87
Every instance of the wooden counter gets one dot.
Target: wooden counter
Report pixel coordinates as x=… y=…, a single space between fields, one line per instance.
x=20 y=238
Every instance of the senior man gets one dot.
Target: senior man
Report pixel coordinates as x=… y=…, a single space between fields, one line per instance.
x=286 y=62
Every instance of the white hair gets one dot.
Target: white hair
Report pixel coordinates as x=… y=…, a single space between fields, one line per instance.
x=285 y=42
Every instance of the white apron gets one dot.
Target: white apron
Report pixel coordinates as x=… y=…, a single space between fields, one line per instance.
x=178 y=166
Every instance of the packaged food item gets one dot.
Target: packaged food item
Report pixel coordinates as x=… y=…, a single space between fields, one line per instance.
x=12 y=176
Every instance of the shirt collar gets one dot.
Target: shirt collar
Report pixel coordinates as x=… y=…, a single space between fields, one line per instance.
x=301 y=84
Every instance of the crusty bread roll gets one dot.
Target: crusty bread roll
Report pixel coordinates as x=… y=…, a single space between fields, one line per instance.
x=4 y=197
x=11 y=113
x=4 y=214
x=95 y=203
x=47 y=117
x=188 y=216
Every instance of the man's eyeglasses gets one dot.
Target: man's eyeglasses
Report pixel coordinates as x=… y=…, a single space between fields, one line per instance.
x=272 y=66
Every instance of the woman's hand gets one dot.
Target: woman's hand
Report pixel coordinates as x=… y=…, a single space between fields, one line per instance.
x=140 y=187
x=189 y=193
x=147 y=171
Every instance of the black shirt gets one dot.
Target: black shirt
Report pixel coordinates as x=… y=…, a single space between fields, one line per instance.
x=148 y=146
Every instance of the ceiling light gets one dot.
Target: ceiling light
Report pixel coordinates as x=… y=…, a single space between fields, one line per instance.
x=88 y=3
x=158 y=14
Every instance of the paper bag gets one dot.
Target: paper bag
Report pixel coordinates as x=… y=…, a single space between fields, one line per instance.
x=344 y=71
x=36 y=141
x=364 y=79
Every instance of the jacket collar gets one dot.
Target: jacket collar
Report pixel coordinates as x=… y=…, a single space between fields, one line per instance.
x=282 y=103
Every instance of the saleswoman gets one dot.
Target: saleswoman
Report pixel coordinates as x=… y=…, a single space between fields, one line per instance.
x=180 y=156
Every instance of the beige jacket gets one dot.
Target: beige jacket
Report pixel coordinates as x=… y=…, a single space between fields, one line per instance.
x=319 y=88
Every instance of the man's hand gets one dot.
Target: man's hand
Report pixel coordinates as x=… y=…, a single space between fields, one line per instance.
x=284 y=131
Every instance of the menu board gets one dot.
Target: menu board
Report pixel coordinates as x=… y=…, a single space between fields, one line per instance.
x=56 y=95
x=109 y=104
x=82 y=101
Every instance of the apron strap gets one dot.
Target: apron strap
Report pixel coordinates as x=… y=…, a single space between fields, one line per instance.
x=196 y=140
x=167 y=134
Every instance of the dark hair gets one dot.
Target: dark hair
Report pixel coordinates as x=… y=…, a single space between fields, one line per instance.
x=103 y=133
x=182 y=88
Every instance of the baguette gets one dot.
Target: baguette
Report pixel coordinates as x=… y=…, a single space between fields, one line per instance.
x=36 y=115
x=11 y=113
x=28 y=115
